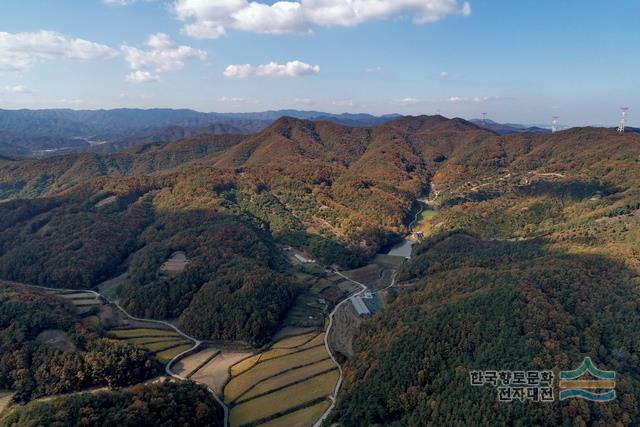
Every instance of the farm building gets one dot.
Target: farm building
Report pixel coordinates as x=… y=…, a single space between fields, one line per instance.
x=360 y=306
x=303 y=260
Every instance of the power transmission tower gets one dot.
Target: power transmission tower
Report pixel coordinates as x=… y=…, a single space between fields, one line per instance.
x=623 y=119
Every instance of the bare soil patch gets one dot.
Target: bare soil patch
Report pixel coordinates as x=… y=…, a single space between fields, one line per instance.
x=176 y=263
x=345 y=326
x=56 y=338
x=186 y=367
x=215 y=374
x=107 y=201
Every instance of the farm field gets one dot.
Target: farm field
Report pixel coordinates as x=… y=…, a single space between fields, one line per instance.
x=302 y=417
x=390 y=261
x=216 y=373
x=166 y=355
x=142 y=332
x=187 y=367
x=283 y=400
x=375 y=276
x=345 y=326
x=289 y=377
x=285 y=385
x=5 y=399
x=243 y=382
x=176 y=263
x=164 y=343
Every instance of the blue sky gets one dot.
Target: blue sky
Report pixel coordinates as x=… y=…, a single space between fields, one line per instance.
x=520 y=61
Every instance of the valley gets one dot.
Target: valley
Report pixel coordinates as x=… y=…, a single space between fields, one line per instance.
x=265 y=268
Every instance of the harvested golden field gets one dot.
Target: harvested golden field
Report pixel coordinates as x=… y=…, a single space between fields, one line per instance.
x=318 y=340
x=286 y=385
x=167 y=355
x=165 y=345
x=284 y=399
x=287 y=378
x=302 y=417
x=142 y=332
x=5 y=399
x=187 y=366
x=264 y=370
x=244 y=365
x=216 y=373
x=276 y=352
x=294 y=341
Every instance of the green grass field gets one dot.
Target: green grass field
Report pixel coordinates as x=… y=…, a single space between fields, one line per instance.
x=390 y=261
x=427 y=214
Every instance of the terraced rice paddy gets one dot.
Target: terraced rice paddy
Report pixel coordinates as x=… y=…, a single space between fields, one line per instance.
x=188 y=366
x=302 y=417
x=286 y=385
x=164 y=343
x=166 y=355
x=215 y=373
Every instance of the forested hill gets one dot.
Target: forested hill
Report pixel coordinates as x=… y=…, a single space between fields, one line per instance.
x=341 y=193
x=38 y=132
x=532 y=262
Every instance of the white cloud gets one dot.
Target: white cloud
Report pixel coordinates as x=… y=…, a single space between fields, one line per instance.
x=444 y=74
x=17 y=89
x=272 y=69
x=162 y=55
x=344 y=103
x=140 y=76
x=374 y=70
x=73 y=102
x=476 y=99
x=123 y=2
x=303 y=101
x=20 y=51
x=211 y=18
x=407 y=101
x=232 y=99
x=118 y=2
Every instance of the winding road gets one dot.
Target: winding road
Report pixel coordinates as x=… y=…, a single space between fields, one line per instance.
x=168 y=370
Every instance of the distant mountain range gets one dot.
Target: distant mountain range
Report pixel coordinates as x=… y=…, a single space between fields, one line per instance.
x=508 y=128
x=39 y=132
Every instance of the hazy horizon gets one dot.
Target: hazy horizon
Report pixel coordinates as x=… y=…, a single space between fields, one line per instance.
x=520 y=63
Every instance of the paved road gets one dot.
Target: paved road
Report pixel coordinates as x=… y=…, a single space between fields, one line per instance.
x=328 y=347
x=168 y=370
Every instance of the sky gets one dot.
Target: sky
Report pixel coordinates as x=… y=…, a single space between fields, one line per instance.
x=519 y=61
